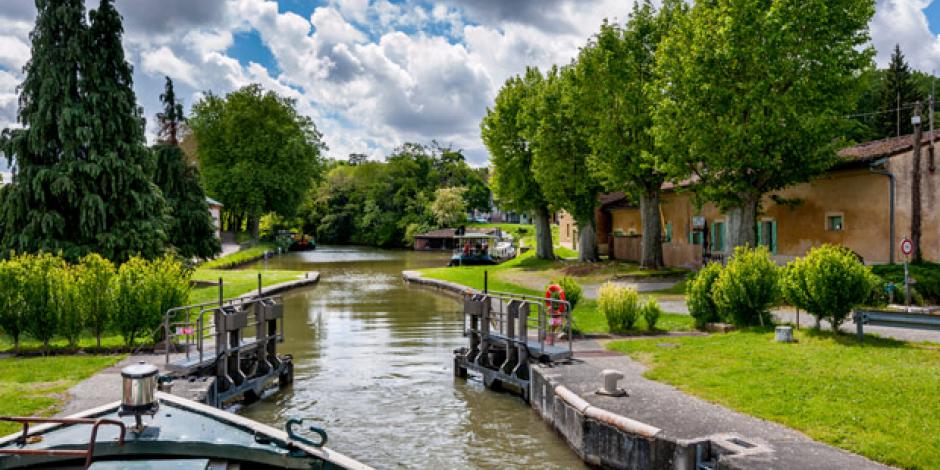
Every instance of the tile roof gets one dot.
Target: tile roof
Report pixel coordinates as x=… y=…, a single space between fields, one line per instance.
x=889 y=147
x=450 y=232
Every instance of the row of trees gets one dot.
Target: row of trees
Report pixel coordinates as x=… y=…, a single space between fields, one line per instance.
x=84 y=180
x=417 y=188
x=44 y=296
x=745 y=109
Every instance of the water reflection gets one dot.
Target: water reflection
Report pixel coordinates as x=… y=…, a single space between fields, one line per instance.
x=373 y=366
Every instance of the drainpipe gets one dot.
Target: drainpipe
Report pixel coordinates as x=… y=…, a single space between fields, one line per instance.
x=883 y=171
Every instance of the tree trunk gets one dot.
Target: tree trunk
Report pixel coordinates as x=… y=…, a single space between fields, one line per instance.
x=253 y=223
x=543 y=234
x=652 y=243
x=587 y=247
x=915 y=191
x=742 y=222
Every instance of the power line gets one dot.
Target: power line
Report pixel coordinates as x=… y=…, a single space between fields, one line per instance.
x=883 y=111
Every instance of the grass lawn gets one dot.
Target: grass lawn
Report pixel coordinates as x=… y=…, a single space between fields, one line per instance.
x=522 y=274
x=239 y=257
x=876 y=399
x=38 y=386
x=236 y=282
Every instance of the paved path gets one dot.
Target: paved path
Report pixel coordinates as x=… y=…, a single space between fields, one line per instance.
x=682 y=416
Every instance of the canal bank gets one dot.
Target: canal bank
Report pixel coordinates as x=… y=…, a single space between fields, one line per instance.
x=656 y=426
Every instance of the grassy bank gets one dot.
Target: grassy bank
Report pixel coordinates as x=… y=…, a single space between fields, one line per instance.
x=527 y=274
x=38 y=386
x=236 y=282
x=872 y=399
x=240 y=257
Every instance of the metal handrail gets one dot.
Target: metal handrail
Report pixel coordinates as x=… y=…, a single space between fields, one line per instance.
x=541 y=315
x=88 y=453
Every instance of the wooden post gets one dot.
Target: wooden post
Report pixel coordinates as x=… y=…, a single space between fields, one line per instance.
x=915 y=183
x=221 y=292
x=259 y=285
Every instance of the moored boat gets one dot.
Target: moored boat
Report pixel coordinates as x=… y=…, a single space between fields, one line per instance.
x=148 y=429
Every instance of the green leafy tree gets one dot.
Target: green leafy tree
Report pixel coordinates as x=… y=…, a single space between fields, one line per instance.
x=747 y=288
x=256 y=152
x=898 y=91
x=191 y=230
x=513 y=180
x=12 y=315
x=42 y=276
x=619 y=64
x=81 y=168
x=555 y=128
x=449 y=207
x=757 y=104
x=828 y=283
x=94 y=284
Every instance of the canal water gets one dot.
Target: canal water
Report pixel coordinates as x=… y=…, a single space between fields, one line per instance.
x=373 y=366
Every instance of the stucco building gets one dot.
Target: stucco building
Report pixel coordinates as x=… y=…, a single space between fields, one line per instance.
x=850 y=205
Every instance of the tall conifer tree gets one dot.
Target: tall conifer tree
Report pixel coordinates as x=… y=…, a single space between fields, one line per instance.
x=191 y=230
x=81 y=175
x=897 y=95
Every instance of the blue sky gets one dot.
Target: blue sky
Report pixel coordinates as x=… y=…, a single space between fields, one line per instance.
x=374 y=74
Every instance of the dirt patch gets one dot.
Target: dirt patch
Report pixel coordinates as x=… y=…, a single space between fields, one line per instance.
x=581 y=270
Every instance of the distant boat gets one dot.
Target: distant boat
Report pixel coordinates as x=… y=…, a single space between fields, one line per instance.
x=481 y=249
x=153 y=430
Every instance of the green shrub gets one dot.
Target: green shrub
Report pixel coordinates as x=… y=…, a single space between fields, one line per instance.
x=12 y=318
x=748 y=287
x=41 y=295
x=699 y=295
x=71 y=320
x=651 y=313
x=927 y=275
x=620 y=305
x=169 y=280
x=828 y=283
x=95 y=288
x=572 y=290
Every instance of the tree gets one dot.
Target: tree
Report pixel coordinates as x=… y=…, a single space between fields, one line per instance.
x=513 y=180
x=358 y=158
x=256 y=152
x=95 y=288
x=191 y=230
x=81 y=168
x=555 y=128
x=619 y=63
x=757 y=104
x=449 y=207
x=898 y=92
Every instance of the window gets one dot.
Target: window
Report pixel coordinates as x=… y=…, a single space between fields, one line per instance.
x=834 y=223
x=667 y=238
x=695 y=237
x=718 y=236
x=767 y=235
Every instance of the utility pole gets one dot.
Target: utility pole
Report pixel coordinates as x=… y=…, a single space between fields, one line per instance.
x=933 y=92
x=897 y=110
x=915 y=182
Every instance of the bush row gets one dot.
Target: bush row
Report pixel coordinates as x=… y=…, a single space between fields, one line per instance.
x=828 y=283
x=44 y=296
x=622 y=308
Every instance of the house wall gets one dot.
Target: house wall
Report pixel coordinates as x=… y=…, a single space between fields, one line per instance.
x=567 y=230
x=215 y=212
x=858 y=195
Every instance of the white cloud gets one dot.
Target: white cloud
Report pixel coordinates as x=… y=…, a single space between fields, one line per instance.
x=164 y=61
x=372 y=73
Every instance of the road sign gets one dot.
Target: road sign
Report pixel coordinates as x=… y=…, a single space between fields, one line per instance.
x=907 y=247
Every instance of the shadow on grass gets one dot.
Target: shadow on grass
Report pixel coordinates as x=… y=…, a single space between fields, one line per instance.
x=850 y=340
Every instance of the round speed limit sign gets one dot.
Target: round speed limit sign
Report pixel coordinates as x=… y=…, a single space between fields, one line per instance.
x=907 y=247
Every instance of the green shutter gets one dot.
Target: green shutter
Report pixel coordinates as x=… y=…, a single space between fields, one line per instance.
x=691 y=242
x=760 y=235
x=712 y=244
x=668 y=232
x=773 y=237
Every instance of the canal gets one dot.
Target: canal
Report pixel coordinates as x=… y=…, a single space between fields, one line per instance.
x=373 y=366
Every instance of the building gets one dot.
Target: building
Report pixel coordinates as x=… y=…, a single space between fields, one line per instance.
x=215 y=210
x=444 y=239
x=850 y=205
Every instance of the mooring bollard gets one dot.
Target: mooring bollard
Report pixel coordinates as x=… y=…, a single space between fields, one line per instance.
x=783 y=334
x=611 y=386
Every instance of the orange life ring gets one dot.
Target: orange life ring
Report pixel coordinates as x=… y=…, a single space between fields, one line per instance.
x=561 y=295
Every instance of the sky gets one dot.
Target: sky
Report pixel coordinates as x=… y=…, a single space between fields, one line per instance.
x=374 y=74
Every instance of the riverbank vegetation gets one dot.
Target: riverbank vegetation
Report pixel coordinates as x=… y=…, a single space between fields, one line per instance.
x=527 y=274
x=865 y=398
x=387 y=203
x=240 y=257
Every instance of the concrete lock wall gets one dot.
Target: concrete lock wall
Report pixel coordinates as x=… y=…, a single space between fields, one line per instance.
x=602 y=438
